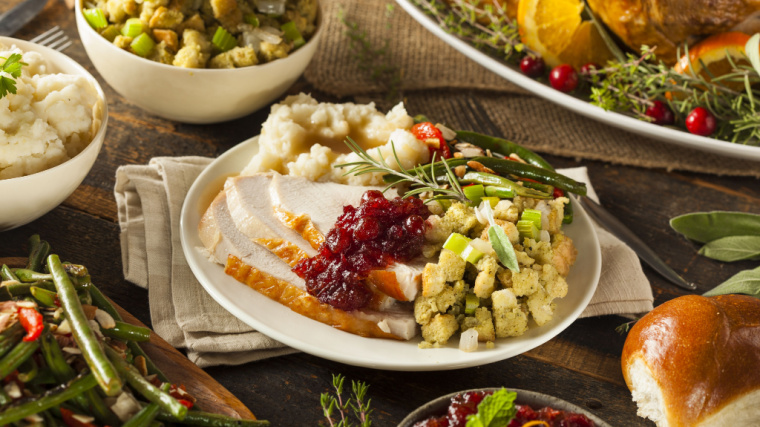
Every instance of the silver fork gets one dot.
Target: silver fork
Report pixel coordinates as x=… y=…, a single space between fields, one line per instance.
x=53 y=38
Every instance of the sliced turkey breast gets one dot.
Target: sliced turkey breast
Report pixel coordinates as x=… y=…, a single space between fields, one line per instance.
x=251 y=208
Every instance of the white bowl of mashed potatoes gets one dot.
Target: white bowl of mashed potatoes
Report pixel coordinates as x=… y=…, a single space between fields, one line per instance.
x=51 y=131
x=191 y=95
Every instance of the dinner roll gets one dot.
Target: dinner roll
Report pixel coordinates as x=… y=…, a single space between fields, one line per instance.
x=694 y=361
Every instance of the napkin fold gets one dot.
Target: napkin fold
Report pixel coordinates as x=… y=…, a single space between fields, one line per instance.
x=149 y=199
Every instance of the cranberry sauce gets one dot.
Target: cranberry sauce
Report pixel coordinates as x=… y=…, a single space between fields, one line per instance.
x=365 y=238
x=465 y=404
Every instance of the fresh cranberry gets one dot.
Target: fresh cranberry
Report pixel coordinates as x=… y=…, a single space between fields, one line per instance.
x=587 y=69
x=563 y=78
x=701 y=122
x=367 y=229
x=660 y=113
x=532 y=66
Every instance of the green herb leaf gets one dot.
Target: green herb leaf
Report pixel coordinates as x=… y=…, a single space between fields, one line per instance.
x=12 y=66
x=495 y=410
x=745 y=282
x=499 y=241
x=705 y=227
x=732 y=248
x=752 y=48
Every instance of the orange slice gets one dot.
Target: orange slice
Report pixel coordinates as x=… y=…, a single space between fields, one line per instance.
x=586 y=46
x=710 y=57
x=547 y=26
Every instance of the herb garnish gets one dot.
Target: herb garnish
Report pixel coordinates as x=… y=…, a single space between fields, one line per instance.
x=11 y=66
x=354 y=405
x=494 y=410
x=499 y=241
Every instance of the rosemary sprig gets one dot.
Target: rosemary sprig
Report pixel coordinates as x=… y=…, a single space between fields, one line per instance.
x=486 y=26
x=354 y=405
x=631 y=87
x=422 y=180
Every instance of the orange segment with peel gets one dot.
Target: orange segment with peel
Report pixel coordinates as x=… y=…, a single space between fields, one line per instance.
x=710 y=57
x=555 y=30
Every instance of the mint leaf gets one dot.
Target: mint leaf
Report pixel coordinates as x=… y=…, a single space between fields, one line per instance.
x=495 y=410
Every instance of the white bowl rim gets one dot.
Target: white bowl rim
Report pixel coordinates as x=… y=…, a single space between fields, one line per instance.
x=98 y=138
x=314 y=38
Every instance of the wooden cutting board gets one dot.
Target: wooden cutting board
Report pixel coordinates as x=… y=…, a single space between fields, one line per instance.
x=211 y=396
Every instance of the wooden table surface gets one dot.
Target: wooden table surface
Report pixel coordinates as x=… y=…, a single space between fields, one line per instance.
x=581 y=365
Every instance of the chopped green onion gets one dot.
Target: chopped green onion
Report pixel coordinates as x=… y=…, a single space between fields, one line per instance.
x=528 y=230
x=251 y=19
x=456 y=243
x=132 y=28
x=471 y=255
x=223 y=40
x=500 y=192
x=292 y=34
x=445 y=203
x=142 y=44
x=95 y=17
x=493 y=201
x=474 y=193
x=471 y=302
x=110 y=33
x=532 y=215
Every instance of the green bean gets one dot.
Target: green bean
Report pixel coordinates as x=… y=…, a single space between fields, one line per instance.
x=44 y=377
x=76 y=270
x=84 y=297
x=544 y=188
x=490 y=179
x=542 y=175
x=500 y=192
x=38 y=251
x=22 y=351
x=4 y=398
x=104 y=304
x=44 y=296
x=88 y=343
x=198 y=418
x=502 y=146
x=125 y=332
x=10 y=337
x=7 y=274
x=28 y=370
x=26 y=275
x=147 y=414
x=51 y=399
x=144 y=387
x=62 y=371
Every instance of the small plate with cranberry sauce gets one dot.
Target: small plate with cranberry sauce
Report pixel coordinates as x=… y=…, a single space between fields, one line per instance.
x=533 y=409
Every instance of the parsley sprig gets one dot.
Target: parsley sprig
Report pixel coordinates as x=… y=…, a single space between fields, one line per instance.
x=11 y=66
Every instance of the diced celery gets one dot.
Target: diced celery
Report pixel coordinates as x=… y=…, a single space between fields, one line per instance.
x=456 y=243
x=471 y=255
x=528 y=230
x=292 y=34
x=471 y=302
x=142 y=44
x=493 y=201
x=132 y=28
x=474 y=193
x=95 y=17
x=110 y=33
x=251 y=19
x=532 y=215
x=223 y=40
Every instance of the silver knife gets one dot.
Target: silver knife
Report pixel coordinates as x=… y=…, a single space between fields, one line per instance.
x=12 y=20
x=645 y=253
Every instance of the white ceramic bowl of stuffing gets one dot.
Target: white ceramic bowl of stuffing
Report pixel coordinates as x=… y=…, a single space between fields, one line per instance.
x=194 y=95
x=51 y=131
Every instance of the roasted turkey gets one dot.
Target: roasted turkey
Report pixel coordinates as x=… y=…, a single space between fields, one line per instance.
x=668 y=24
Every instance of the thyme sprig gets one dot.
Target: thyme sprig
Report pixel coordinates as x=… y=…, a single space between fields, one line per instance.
x=421 y=179
x=354 y=405
x=631 y=87
x=485 y=26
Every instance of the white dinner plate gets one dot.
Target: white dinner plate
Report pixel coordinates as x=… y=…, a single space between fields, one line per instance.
x=310 y=336
x=580 y=106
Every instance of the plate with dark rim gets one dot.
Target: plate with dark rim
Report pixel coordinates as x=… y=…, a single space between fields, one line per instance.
x=576 y=104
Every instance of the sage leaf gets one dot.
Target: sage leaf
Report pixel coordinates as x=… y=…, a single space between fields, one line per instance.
x=745 y=282
x=753 y=51
x=732 y=248
x=503 y=248
x=705 y=227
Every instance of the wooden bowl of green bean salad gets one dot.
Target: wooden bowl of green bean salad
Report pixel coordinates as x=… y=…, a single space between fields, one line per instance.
x=67 y=356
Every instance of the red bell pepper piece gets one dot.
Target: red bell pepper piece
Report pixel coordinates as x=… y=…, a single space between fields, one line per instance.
x=558 y=193
x=31 y=321
x=70 y=421
x=425 y=131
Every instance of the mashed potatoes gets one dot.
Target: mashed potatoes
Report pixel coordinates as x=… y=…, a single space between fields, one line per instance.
x=303 y=137
x=50 y=119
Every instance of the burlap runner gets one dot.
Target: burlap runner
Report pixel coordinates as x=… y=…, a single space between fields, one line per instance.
x=440 y=82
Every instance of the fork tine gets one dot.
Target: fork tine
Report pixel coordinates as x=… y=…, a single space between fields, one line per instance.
x=45 y=34
x=53 y=38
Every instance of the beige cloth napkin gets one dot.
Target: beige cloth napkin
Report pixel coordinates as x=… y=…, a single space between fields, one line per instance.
x=149 y=199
